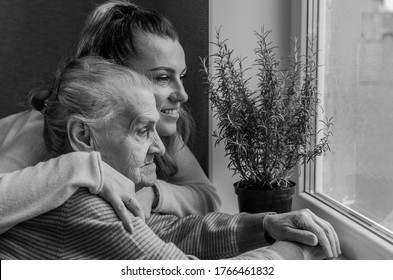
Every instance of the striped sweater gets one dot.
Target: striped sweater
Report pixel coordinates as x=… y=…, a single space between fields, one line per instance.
x=86 y=227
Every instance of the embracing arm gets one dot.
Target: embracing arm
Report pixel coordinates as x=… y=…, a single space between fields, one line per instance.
x=189 y=191
x=29 y=188
x=35 y=190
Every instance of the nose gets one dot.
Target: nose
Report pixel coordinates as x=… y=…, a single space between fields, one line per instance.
x=179 y=94
x=157 y=147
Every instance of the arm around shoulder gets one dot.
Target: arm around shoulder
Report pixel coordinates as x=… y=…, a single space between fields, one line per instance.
x=35 y=190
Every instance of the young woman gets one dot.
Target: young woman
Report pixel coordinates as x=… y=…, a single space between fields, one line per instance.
x=146 y=42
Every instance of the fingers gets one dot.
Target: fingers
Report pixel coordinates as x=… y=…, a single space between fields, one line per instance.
x=303 y=236
x=122 y=213
x=118 y=191
x=331 y=236
x=337 y=242
x=121 y=207
x=326 y=235
x=324 y=241
x=304 y=227
x=135 y=207
x=315 y=236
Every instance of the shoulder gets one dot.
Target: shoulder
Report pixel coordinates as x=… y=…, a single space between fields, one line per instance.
x=21 y=139
x=85 y=205
x=14 y=124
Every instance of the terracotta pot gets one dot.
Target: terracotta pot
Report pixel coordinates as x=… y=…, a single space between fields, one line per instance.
x=257 y=201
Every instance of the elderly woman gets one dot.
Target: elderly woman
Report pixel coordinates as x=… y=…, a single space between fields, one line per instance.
x=109 y=113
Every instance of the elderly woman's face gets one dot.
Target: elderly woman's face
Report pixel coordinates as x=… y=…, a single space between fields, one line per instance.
x=128 y=144
x=163 y=61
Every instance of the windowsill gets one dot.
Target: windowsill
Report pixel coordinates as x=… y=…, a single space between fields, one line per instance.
x=357 y=243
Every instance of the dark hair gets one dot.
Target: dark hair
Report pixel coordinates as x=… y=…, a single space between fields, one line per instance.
x=88 y=89
x=111 y=31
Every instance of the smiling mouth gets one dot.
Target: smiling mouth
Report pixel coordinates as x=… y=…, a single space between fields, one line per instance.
x=172 y=112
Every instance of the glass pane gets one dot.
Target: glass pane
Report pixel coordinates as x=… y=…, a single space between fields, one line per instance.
x=358 y=93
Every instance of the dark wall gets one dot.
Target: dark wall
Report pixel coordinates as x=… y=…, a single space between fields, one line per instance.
x=35 y=34
x=33 y=37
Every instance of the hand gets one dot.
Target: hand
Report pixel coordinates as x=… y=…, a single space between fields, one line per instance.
x=118 y=190
x=304 y=227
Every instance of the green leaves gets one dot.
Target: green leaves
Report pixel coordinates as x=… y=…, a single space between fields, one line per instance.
x=269 y=131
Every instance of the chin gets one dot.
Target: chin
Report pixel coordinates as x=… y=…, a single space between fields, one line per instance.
x=148 y=177
x=166 y=130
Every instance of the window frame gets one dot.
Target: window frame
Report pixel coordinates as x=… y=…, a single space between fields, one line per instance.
x=358 y=239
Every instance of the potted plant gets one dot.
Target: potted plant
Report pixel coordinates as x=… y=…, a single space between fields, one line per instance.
x=270 y=131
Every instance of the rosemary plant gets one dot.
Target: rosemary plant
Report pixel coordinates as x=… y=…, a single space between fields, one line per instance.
x=270 y=131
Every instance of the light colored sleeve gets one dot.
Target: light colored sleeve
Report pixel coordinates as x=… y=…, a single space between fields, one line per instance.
x=189 y=191
x=184 y=200
x=35 y=190
x=21 y=141
x=30 y=182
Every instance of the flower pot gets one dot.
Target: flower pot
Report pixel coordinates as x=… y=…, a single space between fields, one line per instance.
x=257 y=201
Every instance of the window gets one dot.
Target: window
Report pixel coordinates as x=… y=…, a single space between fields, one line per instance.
x=352 y=186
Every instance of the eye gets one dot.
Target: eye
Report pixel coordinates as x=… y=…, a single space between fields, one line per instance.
x=144 y=132
x=161 y=80
x=183 y=77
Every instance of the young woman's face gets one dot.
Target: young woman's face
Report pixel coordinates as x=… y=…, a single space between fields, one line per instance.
x=163 y=61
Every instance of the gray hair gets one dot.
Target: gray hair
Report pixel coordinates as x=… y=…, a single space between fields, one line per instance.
x=89 y=89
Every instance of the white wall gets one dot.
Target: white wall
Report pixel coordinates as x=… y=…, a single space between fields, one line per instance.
x=238 y=21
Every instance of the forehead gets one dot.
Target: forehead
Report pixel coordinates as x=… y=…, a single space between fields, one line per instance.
x=140 y=105
x=156 y=52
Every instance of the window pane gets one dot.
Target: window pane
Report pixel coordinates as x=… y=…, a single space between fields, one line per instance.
x=358 y=93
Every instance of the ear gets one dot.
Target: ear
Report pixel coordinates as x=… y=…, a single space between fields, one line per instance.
x=80 y=136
